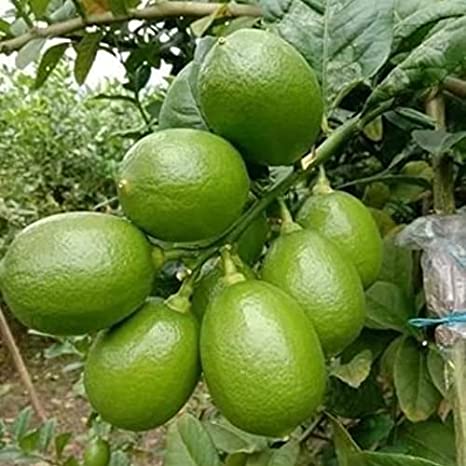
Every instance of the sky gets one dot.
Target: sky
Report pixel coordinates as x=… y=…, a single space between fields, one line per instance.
x=106 y=66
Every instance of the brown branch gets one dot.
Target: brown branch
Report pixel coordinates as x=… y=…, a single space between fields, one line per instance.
x=455 y=86
x=442 y=164
x=18 y=361
x=159 y=11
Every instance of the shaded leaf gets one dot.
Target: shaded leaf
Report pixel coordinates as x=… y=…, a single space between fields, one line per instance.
x=189 y=444
x=438 y=141
x=427 y=65
x=19 y=27
x=86 y=53
x=30 y=441
x=61 y=441
x=48 y=63
x=397 y=266
x=29 y=52
x=373 y=430
x=387 y=307
x=356 y=371
x=179 y=109
x=237 y=459
x=344 y=443
x=412 y=192
x=430 y=440
x=387 y=362
x=201 y=26
x=374 y=130
x=437 y=370
x=13 y=455
x=287 y=455
x=4 y=26
x=95 y=7
x=387 y=459
x=230 y=439
x=416 y=393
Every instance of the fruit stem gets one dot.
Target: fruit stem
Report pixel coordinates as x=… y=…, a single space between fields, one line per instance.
x=181 y=300
x=322 y=185
x=288 y=224
x=232 y=275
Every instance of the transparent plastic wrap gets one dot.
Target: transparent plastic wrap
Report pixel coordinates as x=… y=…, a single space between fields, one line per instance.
x=442 y=240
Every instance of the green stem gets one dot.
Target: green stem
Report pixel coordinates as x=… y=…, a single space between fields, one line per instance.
x=322 y=185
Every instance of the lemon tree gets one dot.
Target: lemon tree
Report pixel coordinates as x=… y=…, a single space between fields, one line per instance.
x=252 y=258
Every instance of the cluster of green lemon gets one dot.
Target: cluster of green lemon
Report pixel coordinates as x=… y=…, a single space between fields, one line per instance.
x=261 y=343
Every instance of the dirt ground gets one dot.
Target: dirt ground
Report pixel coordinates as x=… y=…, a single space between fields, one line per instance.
x=60 y=400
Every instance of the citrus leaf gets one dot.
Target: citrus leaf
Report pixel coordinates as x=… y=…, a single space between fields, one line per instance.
x=179 y=109
x=427 y=65
x=46 y=433
x=95 y=7
x=373 y=430
x=287 y=455
x=438 y=141
x=189 y=444
x=200 y=26
x=345 y=41
x=237 y=459
x=356 y=371
x=397 y=266
x=430 y=440
x=21 y=423
x=4 y=26
x=29 y=52
x=387 y=307
x=387 y=459
x=86 y=53
x=61 y=441
x=30 y=441
x=48 y=63
x=437 y=370
x=39 y=7
x=19 y=27
x=426 y=13
x=417 y=395
x=230 y=439
x=344 y=443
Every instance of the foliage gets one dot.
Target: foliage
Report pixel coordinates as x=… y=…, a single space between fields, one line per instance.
x=379 y=63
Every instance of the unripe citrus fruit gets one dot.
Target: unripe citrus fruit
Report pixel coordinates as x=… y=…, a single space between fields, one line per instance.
x=141 y=372
x=312 y=270
x=262 y=360
x=96 y=453
x=76 y=272
x=183 y=184
x=346 y=221
x=211 y=284
x=258 y=92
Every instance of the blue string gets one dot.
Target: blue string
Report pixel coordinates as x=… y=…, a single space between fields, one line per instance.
x=456 y=317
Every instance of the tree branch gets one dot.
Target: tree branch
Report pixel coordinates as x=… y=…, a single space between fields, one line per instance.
x=455 y=86
x=159 y=11
x=18 y=361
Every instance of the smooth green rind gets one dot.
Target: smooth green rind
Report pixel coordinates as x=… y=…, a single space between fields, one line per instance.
x=262 y=359
x=77 y=272
x=183 y=184
x=96 y=453
x=258 y=92
x=346 y=221
x=251 y=242
x=140 y=373
x=312 y=270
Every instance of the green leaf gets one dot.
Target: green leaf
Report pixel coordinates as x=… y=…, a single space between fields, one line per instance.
x=29 y=52
x=346 y=45
x=86 y=53
x=438 y=141
x=410 y=192
x=387 y=307
x=13 y=455
x=373 y=430
x=21 y=423
x=229 y=439
x=72 y=461
x=430 y=63
x=201 y=26
x=30 y=441
x=237 y=459
x=387 y=362
x=19 y=27
x=39 y=7
x=430 y=440
x=46 y=433
x=386 y=459
x=179 y=109
x=344 y=444
x=189 y=444
x=121 y=7
x=61 y=441
x=287 y=455
x=4 y=26
x=437 y=370
x=48 y=63
x=397 y=266
x=119 y=458
x=356 y=371
x=426 y=14
x=417 y=395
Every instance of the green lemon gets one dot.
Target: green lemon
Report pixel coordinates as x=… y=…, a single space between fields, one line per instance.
x=262 y=360
x=312 y=270
x=251 y=242
x=76 y=272
x=258 y=92
x=346 y=221
x=140 y=373
x=212 y=283
x=97 y=453
x=183 y=184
